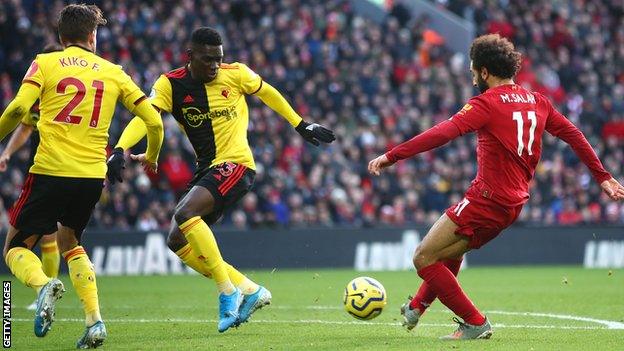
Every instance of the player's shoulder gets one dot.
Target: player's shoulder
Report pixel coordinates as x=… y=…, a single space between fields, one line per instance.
x=232 y=66
x=178 y=73
x=46 y=59
x=481 y=101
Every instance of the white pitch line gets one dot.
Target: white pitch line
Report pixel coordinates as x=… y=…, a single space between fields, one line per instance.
x=608 y=324
x=316 y=321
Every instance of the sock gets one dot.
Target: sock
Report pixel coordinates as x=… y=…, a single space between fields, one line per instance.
x=446 y=287
x=203 y=242
x=51 y=258
x=246 y=285
x=26 y=267
x=238 y=279
x=83 y=278
x=425 y=295
x=188 y=256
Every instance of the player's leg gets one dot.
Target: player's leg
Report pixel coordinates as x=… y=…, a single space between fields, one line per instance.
x=22 y=262
x=35 y=211
x=254 y=296
x=188 y=215
x=424 y=296
x=416 y=306
x=86 y=193
x=50 y=256
x=439 y=244
x=178 y=244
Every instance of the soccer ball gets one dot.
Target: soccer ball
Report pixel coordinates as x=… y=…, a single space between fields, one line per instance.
x=364 y=298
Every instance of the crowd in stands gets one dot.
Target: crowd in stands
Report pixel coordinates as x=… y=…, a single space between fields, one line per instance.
x=375 y=85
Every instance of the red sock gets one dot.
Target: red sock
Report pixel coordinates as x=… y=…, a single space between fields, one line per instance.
x=425 y=296
x=445 y=285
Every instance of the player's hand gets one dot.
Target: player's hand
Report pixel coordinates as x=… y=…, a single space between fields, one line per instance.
x=315 y=133
x=613 y=188
x=4 y=161
x=148 y=166
x=116 y=164
x=375 y=166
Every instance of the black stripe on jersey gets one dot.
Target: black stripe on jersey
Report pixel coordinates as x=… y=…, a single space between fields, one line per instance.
x=191 y=109
x=139 y=100
x=260 y=87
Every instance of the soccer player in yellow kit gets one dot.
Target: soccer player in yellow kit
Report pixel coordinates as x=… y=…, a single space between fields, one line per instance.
x=207 y=98
x=50 y=256
x=78 y=92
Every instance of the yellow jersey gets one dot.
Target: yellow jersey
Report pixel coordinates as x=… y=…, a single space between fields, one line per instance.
x=78 y=94
x=32 y=117
x=213 y=115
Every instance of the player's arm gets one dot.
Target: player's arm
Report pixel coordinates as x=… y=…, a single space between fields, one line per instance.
x=471 y=117
x=161 y=100
x=311 y=132
x=251 y=83
x=147 y=122
x=155 y=130
x=560 y=127
x=18 y=139
x=26 y=96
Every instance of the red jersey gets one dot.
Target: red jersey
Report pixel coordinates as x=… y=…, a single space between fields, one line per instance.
x=509 y=121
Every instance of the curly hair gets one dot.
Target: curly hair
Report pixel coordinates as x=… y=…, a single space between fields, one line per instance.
x=76 y=22
x=497 y=54
x=206 y=36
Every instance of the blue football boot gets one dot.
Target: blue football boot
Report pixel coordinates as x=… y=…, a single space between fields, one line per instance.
x=228 y=309
x=46 y=300
x=93 y=336
x=252 y=303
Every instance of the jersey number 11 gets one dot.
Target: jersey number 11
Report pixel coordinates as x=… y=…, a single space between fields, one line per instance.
x=517 y=116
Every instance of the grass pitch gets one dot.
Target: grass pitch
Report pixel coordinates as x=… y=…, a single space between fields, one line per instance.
x=536 y=308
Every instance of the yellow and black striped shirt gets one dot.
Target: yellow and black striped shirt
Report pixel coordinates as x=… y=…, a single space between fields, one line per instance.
x=213 y=115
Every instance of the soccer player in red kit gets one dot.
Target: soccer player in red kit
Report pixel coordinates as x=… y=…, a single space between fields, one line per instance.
x=509 y=121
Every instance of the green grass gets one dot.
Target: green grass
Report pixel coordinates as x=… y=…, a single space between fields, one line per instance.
x=179 y=313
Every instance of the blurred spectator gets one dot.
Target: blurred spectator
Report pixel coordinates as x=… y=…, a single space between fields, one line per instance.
x=374 y=84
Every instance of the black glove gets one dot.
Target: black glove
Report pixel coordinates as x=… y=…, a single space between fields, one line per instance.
x=313 y=133
x=116 y=164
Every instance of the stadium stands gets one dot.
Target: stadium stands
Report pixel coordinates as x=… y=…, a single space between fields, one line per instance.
x=375 y=85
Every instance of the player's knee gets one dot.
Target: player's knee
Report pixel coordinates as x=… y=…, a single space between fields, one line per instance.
x=175 y=241
x=422 y=258
x=183 y=214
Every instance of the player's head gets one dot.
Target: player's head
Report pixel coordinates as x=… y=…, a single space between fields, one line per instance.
x=77 y=24
x=205 y=53
x=492 y=58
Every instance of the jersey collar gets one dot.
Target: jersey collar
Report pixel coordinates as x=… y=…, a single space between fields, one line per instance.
x=78 y=46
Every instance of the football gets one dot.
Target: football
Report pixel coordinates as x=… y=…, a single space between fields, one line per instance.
x=364 y=298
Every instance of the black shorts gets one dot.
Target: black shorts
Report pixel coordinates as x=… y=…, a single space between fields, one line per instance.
x=227 y=182
x=46 y=200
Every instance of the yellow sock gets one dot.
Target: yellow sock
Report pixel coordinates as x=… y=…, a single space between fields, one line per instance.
x=203 y=242
x=187 y=256
x=50 y=257
x=246 y=285
x=83 y=278
x=238 y=279
x=26 y=267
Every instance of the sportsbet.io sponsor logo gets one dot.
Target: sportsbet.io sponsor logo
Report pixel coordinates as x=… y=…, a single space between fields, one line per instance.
x=195 y=117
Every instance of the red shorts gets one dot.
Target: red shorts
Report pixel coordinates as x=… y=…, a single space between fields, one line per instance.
x=480 y=218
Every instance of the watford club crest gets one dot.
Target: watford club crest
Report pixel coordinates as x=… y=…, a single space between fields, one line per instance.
x=225 y=92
